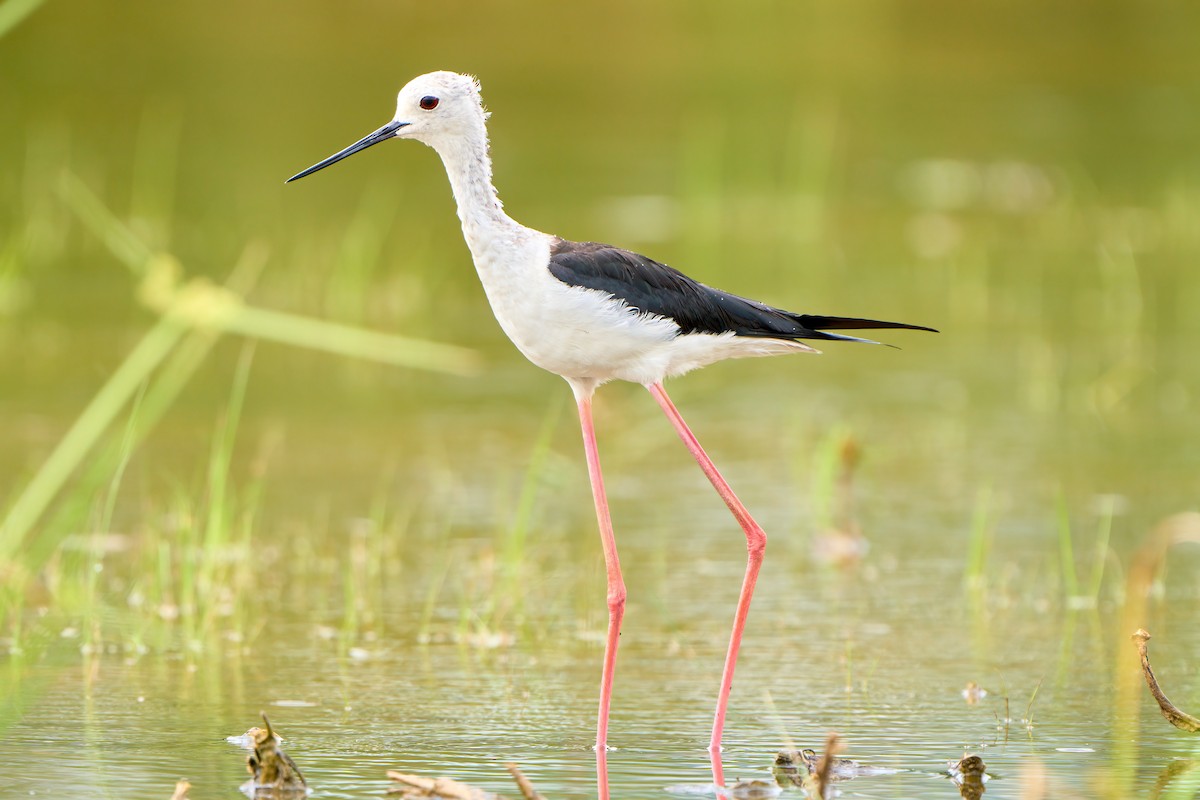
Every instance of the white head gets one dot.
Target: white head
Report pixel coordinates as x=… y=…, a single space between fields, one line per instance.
x=439 y=105
x=438 y=109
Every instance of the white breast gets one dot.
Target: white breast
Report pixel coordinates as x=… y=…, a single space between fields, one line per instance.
x=573 y=332
x=586 y=333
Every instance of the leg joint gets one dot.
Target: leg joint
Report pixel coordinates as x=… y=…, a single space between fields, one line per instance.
x=756 y=542
x=616 y=597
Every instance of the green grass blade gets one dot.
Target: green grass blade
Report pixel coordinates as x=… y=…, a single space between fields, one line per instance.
x=1103 y=534
x=333 y=337
x=165 y=386
x=124 y=452
x=1066 y=551
x=14 y=12
x=201 y=305
x=155 y=346
x=96 y=217
x=518 y=532
x=977 y=552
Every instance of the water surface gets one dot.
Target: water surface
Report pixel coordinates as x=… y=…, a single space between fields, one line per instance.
x=405 y=578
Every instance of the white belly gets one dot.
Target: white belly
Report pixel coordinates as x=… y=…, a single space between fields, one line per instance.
x=586 y=333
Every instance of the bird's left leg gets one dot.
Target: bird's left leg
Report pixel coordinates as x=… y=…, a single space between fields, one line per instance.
x=756 y=544
x=616 y=584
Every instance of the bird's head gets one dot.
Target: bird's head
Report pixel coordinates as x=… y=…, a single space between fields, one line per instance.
x=438 y=109
x=438 y=105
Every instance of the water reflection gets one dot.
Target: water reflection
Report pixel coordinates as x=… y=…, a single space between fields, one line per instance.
x=1170 y=773
x=969 y=775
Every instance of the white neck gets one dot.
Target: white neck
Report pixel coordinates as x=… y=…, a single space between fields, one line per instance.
x=469 y=168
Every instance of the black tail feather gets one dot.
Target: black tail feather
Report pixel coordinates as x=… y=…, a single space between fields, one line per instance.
x=817 y=322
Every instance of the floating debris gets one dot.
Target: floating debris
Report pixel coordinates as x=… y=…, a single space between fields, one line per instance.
x=842 y=768
x=973 y=693
x=181 y=789
x=790 y=768
x=969 y=774
x=273 y=772
x=1174 y=715
x=793 y=768
x=754 y=790
x=417 y=786
x=246 y=740
x=698 y=789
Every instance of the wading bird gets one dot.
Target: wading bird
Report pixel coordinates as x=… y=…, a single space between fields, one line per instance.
x=593 y=313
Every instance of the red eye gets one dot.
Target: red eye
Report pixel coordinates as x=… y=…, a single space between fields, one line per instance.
x=429 y=102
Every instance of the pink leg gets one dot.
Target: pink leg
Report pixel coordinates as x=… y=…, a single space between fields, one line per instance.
x=616 y=585
x=756 y=544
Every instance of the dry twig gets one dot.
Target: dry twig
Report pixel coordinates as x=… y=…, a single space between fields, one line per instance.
x=448 y=788
x=832 y=744
x=1174 y=715
x=417 y=786
x=527 y=790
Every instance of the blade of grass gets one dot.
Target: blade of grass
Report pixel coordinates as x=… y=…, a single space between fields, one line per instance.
x=1103 y=533
x=220 y=507
x=977 y=552
x=514 y=549
x=165 y=386
x=1066 y=551
x=124 y=452
x=121 y=241
x=14 y=12
x=824 y=477
x=347 y=340
x=425 y=626
x=155 y=346
x=202 y=305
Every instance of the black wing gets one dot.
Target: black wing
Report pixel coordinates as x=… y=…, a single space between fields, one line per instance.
x=654 y=288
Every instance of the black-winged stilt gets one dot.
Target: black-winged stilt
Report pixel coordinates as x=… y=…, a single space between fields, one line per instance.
x=593 y=313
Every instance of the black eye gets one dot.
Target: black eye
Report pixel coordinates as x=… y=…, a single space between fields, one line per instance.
x=429 y=102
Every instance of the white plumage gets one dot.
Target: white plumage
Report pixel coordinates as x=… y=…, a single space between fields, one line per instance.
x=594 y=313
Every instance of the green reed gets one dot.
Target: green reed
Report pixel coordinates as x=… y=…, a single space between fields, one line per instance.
x=974 y=574
x=191 y=313
x=1078 y=593
x=13 y=12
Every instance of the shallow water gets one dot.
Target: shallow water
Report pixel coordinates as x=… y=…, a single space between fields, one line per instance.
x=410 y=581
x=873 y=658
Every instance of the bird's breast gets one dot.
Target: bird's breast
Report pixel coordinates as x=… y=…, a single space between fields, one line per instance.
x=567 y=330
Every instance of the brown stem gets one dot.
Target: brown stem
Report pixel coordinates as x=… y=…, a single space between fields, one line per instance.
x=438 y=787
x=1173 y=714
x=527 y=790
x=825 y=765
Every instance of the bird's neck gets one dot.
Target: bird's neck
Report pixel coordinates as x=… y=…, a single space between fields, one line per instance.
x=469 y=168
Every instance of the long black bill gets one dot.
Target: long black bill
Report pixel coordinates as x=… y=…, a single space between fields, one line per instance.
x=383 y=134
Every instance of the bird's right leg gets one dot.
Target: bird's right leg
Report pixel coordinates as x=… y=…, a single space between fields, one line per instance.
x=616 y=584
x=756 y=544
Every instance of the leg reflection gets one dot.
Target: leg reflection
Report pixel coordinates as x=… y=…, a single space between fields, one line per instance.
x=602 y=772
x=718 y=770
